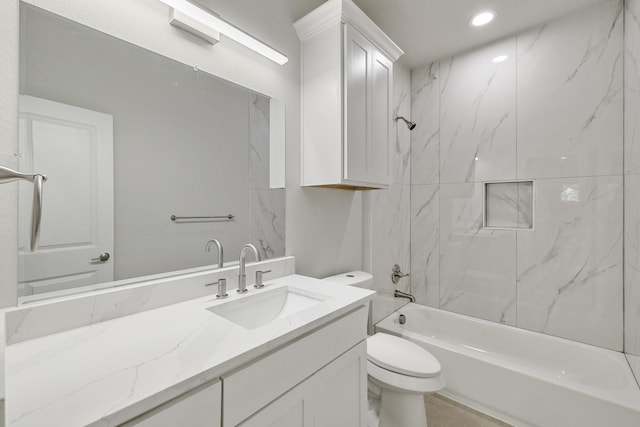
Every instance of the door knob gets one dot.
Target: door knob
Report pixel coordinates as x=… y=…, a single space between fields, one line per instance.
x=102 y=258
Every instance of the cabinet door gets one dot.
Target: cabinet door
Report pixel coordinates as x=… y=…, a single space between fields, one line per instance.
x=368 y=116
x=201 y=407
x=335 y=396
x=340 y=391
x=380 y=142
x=358 y=61
x=291 y=410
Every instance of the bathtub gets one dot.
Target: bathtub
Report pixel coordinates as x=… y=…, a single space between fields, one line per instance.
x=521 y=377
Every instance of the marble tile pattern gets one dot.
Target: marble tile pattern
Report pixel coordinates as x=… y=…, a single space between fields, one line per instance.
x=268 y=221
x=570 y=268
x=53 y=316
x=390 y=209
x=402 y=137
x=425 y=111
x=632 y=177
x=258 y=141
x=526 y=204
x=391 y=245
x=425 y=244
x=553 y=109
x=83 y=387
x=632 y=263
x=267 y=206
x=477 y=115
x=570 y=96
x=477 y=265
x=632 y=87
x=509 y=204
x=501 y=204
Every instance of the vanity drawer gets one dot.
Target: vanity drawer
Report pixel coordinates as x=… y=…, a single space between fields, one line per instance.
x=249 y=389
x=200 y=407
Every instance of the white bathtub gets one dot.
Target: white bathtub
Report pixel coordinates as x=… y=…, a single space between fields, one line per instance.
x=522 y=377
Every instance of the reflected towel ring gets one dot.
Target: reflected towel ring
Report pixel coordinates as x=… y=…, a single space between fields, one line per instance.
x=9 y=175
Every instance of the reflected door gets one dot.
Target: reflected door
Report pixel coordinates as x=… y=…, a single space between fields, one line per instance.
x=73 y=147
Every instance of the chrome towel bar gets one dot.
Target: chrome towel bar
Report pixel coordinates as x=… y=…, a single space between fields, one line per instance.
x=9 y=175
x=202 y=218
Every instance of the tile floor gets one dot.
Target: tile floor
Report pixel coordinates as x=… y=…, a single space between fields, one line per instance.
x=444 y=412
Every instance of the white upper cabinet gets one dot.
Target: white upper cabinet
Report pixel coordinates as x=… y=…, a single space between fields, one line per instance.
x=347 y=117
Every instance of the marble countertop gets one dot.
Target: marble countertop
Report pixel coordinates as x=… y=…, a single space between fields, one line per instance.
x=109 y=372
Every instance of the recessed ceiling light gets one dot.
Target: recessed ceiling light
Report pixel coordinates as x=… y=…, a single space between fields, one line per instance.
x=483 y=18
x=500 y=58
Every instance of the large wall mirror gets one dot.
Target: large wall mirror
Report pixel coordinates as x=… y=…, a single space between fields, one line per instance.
x=127 y=139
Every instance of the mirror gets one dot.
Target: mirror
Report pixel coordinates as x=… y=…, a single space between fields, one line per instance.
x=129 y=139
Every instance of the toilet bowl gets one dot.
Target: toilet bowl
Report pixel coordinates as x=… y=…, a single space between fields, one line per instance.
x=399 y=371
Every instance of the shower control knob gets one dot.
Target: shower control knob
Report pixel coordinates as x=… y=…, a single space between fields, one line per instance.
x=104 y=257
x=397 y=274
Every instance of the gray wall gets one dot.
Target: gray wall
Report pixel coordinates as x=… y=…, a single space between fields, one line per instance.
x=551 y=113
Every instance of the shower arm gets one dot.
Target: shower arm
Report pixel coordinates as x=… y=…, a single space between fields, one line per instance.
x=9 y=175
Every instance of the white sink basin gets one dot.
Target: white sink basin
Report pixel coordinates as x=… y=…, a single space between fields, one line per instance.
x=253 y=311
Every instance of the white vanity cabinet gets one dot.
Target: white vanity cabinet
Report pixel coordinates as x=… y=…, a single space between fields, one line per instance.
x=201 y=407
x=347 y=81
x=331 y=397
x=319 y=380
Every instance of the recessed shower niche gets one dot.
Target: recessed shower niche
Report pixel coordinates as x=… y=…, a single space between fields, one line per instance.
x=509 y=205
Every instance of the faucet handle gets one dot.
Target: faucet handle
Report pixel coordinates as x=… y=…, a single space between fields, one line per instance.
x=222 y=288
x=397 y=274
x=259 y=274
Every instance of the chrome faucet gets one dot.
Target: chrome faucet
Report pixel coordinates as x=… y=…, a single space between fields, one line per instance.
x=220 y=251
x=400 y=294
x=242 y=277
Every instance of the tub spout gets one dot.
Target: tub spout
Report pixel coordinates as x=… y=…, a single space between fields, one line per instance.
x=400 y=294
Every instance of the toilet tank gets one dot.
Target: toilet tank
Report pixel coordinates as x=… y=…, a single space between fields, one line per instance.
x=359 y=279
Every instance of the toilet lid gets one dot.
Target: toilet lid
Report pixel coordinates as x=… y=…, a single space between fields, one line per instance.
x=402 y=356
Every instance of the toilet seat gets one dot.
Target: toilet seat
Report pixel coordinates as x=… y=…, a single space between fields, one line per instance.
x=403 y=383
x=402 y=356
x=401 y=365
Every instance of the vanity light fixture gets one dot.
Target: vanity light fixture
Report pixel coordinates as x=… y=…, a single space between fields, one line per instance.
x=483 y=18
x=218 y=24
x=499 y=59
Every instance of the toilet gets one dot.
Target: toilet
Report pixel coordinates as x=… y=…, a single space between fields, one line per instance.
x=399 y=371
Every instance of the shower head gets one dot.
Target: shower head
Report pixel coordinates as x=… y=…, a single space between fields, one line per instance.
x=411 y=125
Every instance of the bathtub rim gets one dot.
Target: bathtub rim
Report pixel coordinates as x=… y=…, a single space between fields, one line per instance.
x=630 y=402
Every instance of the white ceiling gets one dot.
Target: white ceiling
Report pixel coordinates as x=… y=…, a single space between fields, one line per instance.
x=434 y=29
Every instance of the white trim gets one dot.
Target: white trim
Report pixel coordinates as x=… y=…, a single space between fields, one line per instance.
x=346 y=11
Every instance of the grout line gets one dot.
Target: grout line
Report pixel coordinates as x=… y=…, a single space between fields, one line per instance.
x=516 y=269
x=624 y=175
x=439 y=94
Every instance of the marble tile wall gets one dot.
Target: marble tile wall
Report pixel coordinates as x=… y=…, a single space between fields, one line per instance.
x=390 y=220
x=477 y=115
x=267 y=205
x=632 y=178
x=552 y=113
x=509 y=204
x=477 y=266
